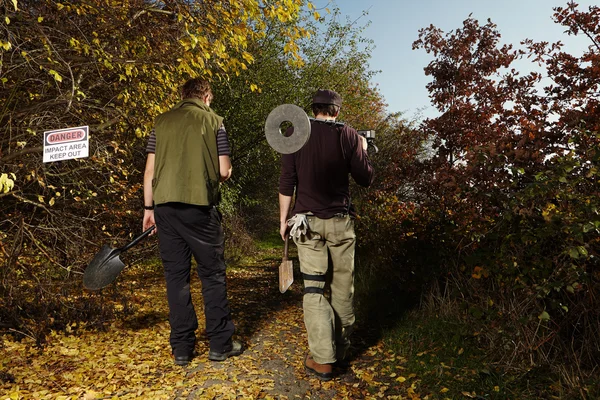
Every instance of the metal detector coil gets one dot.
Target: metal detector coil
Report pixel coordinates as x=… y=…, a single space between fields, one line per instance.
x=299 y=120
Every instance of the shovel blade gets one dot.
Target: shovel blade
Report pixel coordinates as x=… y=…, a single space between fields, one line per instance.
x=286 y=275
x=103 y=269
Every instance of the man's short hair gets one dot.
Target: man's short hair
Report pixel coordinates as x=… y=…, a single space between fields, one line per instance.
x=196 y=88
x=325 y=109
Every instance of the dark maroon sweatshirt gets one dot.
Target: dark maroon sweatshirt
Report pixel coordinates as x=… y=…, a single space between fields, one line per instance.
x=319 y=172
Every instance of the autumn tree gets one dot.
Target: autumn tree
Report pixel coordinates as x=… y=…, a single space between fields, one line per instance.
x=334 y=56
x=112 y=66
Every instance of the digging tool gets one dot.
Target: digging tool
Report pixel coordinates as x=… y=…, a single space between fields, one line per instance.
x=286 y=269
x=106 y=265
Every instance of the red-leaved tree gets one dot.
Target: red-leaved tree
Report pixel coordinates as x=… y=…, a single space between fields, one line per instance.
x=507 y=205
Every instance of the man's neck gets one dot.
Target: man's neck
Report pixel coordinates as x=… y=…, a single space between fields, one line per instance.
x=324 y=117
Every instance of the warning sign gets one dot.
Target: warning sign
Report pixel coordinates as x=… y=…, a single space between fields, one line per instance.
x=66 y=144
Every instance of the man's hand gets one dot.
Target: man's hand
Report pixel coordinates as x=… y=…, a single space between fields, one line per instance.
x=283 y=229
x=148 y=221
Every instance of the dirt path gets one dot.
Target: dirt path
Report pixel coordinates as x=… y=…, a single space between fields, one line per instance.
x=131 y=358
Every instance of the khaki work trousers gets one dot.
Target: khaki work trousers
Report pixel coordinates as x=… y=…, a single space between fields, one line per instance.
x=328 y=317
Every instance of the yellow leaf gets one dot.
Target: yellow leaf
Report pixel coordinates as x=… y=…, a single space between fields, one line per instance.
x=55 y=75
x=40 y=19
x=6 y=184
x=444 y=390
x=15 y=4
x=69 y=352
x=401 y=379
x=91 y=395
x=51 y=202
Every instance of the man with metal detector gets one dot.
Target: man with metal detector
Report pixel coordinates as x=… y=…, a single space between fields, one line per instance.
x=322 y=227
x=188 y=155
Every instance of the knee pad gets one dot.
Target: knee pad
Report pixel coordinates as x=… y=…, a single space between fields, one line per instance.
x=313 y=289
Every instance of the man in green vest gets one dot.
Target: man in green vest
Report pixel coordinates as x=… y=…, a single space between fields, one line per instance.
x=187 y=158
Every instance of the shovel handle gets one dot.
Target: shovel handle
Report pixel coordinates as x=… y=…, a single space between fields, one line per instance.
x=137 y=239
x=285 y=247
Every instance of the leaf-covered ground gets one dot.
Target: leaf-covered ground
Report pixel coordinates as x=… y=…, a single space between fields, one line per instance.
x=131 y=358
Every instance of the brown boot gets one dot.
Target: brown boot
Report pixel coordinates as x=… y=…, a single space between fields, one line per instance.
x=321 y=371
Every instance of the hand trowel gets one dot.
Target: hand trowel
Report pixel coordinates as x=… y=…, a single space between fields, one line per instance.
x=286 y=269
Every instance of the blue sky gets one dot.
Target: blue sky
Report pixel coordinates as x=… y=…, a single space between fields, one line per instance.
x=395 y=25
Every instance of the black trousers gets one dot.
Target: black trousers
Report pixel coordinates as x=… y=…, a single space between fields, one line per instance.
x=185 y=230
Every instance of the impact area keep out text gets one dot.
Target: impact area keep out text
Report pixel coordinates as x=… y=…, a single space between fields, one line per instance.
x=66 y=144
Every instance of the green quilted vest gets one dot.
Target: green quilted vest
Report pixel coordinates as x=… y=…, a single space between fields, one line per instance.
x=186 y=166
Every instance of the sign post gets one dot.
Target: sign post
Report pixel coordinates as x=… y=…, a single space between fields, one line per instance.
x=66 y=144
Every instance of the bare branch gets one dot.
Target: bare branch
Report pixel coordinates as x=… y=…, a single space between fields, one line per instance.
x=151 y=9
x=28 y=150
x=23 y=199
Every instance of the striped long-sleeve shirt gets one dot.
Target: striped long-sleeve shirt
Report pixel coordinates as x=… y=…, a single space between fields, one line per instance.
x=222 y=142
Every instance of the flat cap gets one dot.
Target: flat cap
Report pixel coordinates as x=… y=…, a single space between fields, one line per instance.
x=326 y=96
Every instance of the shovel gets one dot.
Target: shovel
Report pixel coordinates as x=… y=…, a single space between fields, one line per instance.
x=286 y=269
x=106 y=265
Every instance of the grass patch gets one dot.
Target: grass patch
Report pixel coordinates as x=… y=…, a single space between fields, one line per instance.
x=268 y=249
x=445 y=356
x=270 y=241
x=448 y=361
